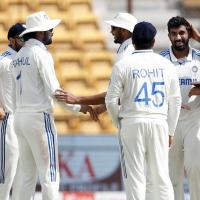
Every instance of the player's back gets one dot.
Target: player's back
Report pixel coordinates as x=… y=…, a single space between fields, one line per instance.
x=147 y=80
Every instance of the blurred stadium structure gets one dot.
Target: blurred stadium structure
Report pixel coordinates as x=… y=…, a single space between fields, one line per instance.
x=83 y=52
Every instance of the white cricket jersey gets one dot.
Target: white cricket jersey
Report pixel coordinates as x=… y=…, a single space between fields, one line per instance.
x=148 y=86
x=6 y=80
x=35 y=78
x=188 y=70
x=126 y=48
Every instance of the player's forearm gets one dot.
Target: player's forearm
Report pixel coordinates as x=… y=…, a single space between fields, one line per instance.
x=92 y=100
x=173 y=114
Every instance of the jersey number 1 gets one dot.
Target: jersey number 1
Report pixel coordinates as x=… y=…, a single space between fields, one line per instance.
x=154 y=91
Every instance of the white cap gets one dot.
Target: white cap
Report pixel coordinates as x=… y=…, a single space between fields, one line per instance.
x=123 y=20
x=39 y=21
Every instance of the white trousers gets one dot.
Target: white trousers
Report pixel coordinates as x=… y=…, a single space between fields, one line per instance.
x=185 y=152
x=38 y=155
x=143 y=145
x=9 y=154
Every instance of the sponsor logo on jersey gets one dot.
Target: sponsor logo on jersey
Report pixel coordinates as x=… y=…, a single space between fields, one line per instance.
x=186 y=81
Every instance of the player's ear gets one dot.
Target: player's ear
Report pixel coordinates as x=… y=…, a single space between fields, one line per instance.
x=153 y=42
x=12 y=41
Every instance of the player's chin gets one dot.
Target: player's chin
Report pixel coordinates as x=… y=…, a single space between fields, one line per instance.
x=180 y=47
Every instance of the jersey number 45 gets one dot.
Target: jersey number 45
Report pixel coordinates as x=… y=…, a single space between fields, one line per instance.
x=147 y=97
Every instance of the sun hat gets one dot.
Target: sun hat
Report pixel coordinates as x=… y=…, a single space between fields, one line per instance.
x=123 y=20
x=39 y=21
x=144 y=31
x=15 y=30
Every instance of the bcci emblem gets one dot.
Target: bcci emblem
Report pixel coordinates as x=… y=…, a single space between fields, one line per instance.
x=195 y=69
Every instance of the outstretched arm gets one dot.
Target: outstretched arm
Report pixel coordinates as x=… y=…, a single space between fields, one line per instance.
x=67 y=97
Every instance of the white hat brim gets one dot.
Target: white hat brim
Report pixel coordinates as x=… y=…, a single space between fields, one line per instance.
x=44 y=27
x=118 y=24
x=113 y=23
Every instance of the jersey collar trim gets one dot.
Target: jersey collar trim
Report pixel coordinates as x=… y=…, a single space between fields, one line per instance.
x=174 y=59
x=143 y=51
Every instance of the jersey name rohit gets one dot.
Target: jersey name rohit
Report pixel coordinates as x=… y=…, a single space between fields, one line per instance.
x=148 y=73
x=23 y=61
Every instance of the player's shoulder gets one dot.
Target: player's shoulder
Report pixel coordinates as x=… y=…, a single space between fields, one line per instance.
x=165 y=52
x=195 y=53
x=5 y=56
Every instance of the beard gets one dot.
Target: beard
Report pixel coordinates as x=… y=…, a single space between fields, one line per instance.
x=47 y=38
x=182 y=47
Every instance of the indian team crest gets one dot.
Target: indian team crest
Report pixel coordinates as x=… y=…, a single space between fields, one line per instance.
x=195 y=69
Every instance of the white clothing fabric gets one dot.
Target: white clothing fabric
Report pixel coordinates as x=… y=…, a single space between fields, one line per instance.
x=126 y=48
x=148 y=89
x=9 y=152
x=185 y=149
x=38 y=141
x=142 y=150
x=6 y=80
x=133 y=77
x=188 y=70
x=36 y=82
x=35 y=85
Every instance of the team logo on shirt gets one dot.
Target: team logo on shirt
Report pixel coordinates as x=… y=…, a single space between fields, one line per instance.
x=195 y=69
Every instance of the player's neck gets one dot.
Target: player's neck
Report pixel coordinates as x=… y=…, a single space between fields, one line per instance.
x=180 y=54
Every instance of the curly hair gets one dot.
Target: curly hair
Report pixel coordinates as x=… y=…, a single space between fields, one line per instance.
x=177 y=21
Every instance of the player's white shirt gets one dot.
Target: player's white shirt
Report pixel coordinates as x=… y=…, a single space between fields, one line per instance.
x=126 y=48
x=150 y=88
x=35 y=78
x=6 y=80
x=188 y=70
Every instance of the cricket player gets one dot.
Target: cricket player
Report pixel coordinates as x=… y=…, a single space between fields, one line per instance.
x=9 y=152
x=185 y=149
x=35 y=86
x=148 y=87
x=122 y=26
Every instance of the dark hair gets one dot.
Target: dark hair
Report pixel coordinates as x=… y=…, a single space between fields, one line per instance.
x=15 y=30
x=142 y=44
x=177 y=21
x=28 y=36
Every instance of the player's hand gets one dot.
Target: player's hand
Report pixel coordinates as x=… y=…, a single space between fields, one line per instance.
x=194 y=33
x=100 y=109
x=194 y=91
x=88 y=109
x=170 y=140
x=185 y=106
x=66 y=97
x=2 y=114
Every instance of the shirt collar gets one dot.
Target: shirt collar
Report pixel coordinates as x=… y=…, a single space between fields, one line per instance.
x=143 y=51
x=174 y=59
x=124 y=45
x=32 y=42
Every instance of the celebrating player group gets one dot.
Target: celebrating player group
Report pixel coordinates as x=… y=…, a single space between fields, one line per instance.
x=153 y=100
